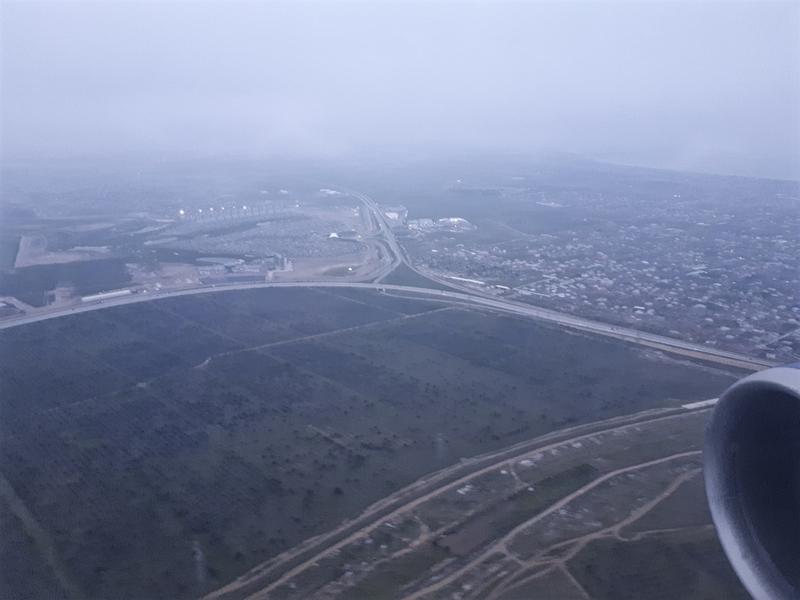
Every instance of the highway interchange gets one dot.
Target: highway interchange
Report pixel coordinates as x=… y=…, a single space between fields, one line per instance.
x=456 y=294
x=259 y=582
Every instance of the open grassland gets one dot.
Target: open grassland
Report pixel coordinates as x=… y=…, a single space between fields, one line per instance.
x=164 y=448
x=674 y=564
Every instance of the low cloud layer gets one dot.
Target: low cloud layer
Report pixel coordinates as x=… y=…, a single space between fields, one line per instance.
x=707 y=86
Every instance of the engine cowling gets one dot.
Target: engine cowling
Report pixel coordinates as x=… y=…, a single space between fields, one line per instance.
x=752 y=475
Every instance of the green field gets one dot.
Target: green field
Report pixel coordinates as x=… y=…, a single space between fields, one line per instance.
x=166 y=447
x=682 y=564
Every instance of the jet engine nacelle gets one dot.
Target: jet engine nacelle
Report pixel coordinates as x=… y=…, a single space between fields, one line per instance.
x=752 y=475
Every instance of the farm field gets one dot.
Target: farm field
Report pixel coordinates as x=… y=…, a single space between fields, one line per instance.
x=165 y=448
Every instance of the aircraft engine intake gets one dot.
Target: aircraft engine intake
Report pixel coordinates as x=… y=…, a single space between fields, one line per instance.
x=752 y=475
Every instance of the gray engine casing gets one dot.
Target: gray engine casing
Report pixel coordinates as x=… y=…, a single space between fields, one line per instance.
x=752 y=476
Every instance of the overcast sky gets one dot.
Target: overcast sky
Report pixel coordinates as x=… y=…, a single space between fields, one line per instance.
x=705 y=86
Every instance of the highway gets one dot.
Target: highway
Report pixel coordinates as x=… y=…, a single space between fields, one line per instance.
x=389 y=237
x=457 y=294
x=386 y=230
x=266 y=577
x=502 y=305
x=634 y=335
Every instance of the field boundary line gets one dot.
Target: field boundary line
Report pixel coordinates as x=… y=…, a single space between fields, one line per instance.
x=40 y=538
x=323 y=334
x=375 y=515
x=501 y=542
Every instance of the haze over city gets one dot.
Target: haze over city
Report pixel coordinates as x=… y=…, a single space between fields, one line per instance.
x=399 y=300
x=709 y=86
